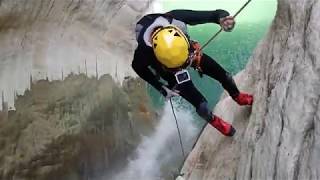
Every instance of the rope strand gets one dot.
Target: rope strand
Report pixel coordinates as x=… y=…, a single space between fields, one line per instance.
x=217 y=33
x=175 y=117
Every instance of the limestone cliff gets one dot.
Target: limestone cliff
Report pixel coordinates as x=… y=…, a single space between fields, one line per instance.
x=70 y=119
x=278 y=138
x=52 y=38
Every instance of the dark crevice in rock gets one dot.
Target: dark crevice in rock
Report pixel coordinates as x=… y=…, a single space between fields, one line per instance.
x=70 y=4
x=308 y=53
x=282 y=116
x=307 y=144
x=38 y=11
x=251 y=168
x=262 y=129
x=270 y=83
x=77 y=7
x=309 y=12
x=52 y=2
x=290 y=17
x=278 y=145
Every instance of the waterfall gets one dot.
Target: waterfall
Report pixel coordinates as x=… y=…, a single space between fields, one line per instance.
x=158 y=151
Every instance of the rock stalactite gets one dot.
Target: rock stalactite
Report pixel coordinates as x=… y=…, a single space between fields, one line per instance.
x=47 y=38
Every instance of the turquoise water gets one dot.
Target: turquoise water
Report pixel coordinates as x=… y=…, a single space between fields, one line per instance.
x=231 y=50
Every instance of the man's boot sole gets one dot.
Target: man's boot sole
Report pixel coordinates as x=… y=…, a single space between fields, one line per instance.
x=232 y=131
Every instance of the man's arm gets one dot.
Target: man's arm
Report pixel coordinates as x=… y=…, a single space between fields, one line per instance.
x=146 y=74
x=198 y=17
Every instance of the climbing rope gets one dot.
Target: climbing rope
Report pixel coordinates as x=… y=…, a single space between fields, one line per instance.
x=217 y=33
x=180 y=139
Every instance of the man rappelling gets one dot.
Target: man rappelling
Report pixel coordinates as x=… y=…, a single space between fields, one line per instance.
x=165 y=51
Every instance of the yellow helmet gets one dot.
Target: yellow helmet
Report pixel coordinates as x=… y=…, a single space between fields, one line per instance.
x=170 y=46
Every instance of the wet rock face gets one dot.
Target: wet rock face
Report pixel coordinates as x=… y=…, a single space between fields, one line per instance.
x=278 y=138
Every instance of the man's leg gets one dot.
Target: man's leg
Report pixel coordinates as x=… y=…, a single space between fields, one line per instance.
x=211 y=68
x=189 y=92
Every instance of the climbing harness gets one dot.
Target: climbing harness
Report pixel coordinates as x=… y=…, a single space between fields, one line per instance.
x=196 y=57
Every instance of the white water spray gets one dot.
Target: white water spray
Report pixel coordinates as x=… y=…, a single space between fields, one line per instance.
x=161 y=148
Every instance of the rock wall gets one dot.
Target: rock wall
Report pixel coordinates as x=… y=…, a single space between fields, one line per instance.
x=61 y=116
x=50 y=39
x=278 y=138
